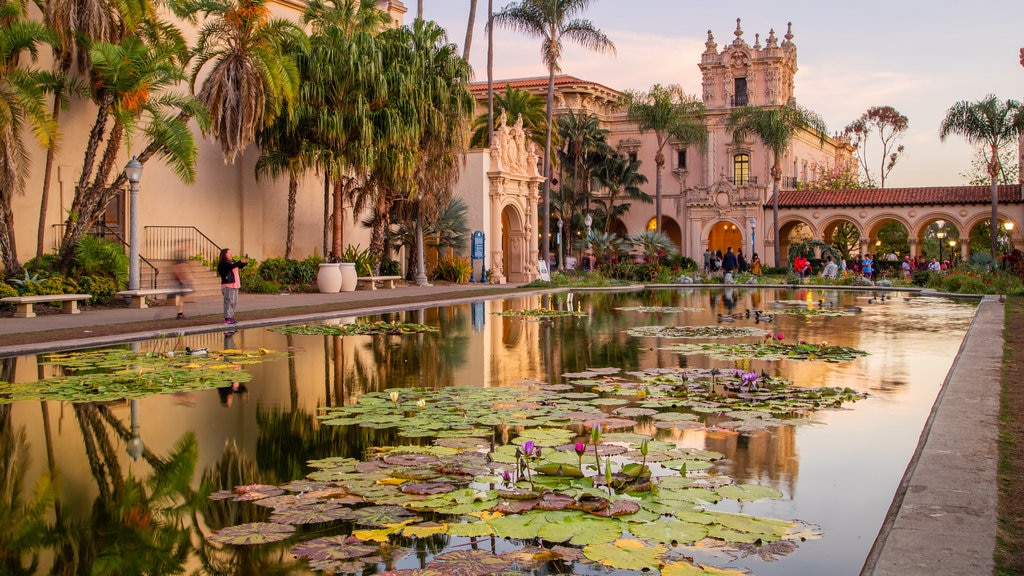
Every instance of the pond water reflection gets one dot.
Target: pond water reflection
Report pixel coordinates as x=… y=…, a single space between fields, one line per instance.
x=840 y=474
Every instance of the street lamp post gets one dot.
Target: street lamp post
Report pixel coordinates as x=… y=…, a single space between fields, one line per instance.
x=133 y=171
x=1008 y=226
x=952 y=248
x=753 y=227
x=940 y=235
x=588 y=220
x=561 y=253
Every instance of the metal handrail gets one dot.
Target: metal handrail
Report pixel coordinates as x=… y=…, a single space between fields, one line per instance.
x=172 y=242
x=102 y=231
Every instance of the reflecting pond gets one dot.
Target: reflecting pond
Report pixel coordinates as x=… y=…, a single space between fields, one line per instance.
x=126 y=472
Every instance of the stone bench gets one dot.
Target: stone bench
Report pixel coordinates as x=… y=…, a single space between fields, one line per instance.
x=139 y=296
x=388 y=281
x=24 y=304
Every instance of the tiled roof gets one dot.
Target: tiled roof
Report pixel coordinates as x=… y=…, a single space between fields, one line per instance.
x=537 y=82
x=1008 y=194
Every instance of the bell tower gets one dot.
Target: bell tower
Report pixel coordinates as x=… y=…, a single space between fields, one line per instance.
x=742 y=74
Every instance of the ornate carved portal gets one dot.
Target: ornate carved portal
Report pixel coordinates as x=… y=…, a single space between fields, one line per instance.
x=514 y=181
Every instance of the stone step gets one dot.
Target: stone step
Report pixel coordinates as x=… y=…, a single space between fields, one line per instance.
x=205 y=282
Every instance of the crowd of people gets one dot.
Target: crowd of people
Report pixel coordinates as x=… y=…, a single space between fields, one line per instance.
x=715 y=261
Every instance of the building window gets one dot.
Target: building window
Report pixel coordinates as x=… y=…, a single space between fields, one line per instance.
x=740 y=85
x=740 y=169
x=681 y=159
x=632 y=157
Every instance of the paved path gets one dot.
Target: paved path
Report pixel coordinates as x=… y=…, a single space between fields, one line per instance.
x=942 y=521
x=943 y=518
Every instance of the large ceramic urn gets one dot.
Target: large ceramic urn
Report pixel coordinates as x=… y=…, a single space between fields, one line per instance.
x=328 y=278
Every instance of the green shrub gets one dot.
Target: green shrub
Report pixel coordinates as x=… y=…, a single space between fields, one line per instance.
x=7 y=291
x=96 y=257
x=453 y=269
x=275 y=269
x=389 y=267
x=102 y=288
x=258 y=286
x=365 y=260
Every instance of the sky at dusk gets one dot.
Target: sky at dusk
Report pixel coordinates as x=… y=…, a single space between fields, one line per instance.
x=919 y=57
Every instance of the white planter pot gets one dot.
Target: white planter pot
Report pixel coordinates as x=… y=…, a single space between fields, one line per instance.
x=348 y=276
x=328 y=278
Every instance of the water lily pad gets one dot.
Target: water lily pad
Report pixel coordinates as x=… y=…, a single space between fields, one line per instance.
x=382 y=515
x=332 y=548
x=470 y=529
x=686 y=569
x=313 y=513
x=469 y=563
x=358 y=328
x=424 y=488
x=626 y=554
x=581 y=530
x=252 y=533
x=671 y=532
x=770 y=351
x=546 y=437
x=694 y=332
x=748 y=492
x=424 y=530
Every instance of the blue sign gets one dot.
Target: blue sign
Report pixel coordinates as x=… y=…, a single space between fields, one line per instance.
x=478 y=246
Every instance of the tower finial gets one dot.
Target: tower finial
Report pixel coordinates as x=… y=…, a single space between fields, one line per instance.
x=757 y=41
x=789 y=36
x=711 y=47
x=739 y=35
x=772 y=41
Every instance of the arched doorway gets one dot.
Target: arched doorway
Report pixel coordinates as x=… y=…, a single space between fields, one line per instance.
x=725 y=235
x=791 y=233
x=512 y=262
x=670 y=228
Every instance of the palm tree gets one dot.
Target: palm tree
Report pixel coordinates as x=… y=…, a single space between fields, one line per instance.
x=344 y=83
x=552 y=21
x=514 y=102
x=254 y=77
x=77 y=23
x=22 y=106
x=583 y=149
x=671 y=114
x=282 y=151
x=131 y=84
x=619 y=174
x=469 y=30
x=775 y=128
x=991 y=123
x=436 y=85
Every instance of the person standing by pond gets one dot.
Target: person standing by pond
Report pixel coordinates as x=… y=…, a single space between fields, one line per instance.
x=729 y=262
x=866 y=265
x=755 y=264
x=230 y=282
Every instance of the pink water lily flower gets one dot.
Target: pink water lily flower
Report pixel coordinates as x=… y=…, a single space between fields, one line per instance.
x=779 y=336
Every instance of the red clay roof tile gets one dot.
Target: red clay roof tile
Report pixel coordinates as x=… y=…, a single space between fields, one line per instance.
x=1008 y=194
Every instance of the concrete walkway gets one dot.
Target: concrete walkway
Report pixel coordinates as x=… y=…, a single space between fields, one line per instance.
x=942 y=521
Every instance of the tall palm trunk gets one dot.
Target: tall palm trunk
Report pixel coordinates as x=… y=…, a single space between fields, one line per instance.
x=776 y=176
x=44 y=198
x=659 y=166
x=337 y=215
x=993 y=175
x=545 y=238
x=490 y=72
x=293 y=192
x=469 y=30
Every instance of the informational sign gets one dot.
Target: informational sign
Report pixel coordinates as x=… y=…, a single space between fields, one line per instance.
x=477 y=253
x=478 y=245
x=542 y=267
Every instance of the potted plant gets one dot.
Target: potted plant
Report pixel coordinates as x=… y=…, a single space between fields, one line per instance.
x=328 y=277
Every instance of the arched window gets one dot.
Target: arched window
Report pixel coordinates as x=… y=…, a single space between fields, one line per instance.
x=740 y=169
